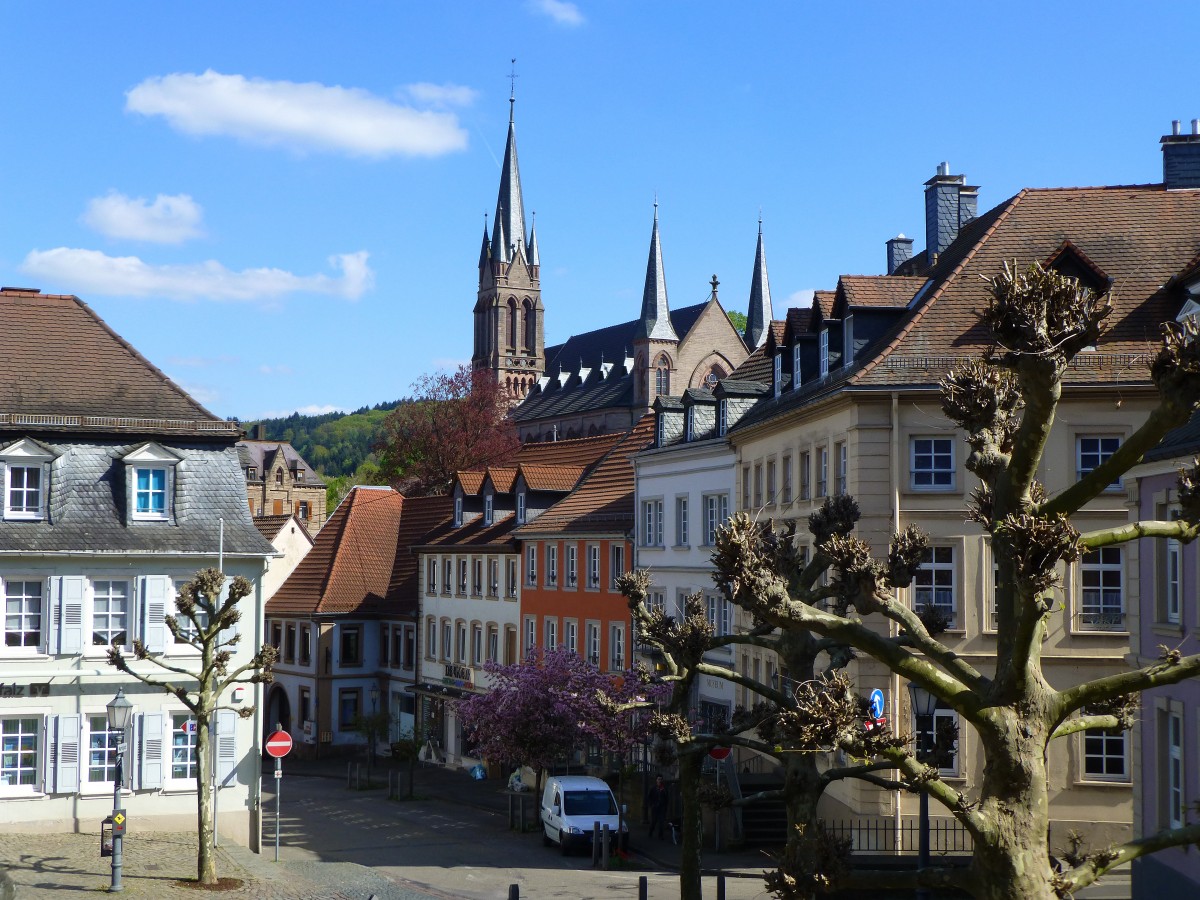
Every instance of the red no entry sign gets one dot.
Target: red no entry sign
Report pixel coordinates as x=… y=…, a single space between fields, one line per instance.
x=279 y=744
x=719 y=752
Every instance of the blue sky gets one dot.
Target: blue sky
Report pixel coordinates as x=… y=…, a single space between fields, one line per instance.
x=280 y=204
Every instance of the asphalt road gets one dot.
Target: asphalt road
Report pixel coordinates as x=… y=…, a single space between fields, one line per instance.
x=445 y=850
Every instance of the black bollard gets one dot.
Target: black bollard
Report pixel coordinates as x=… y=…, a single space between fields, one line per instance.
x=514 y=892
x=720 y=887
x=643 y=888
x=606 y=848
x=595 y=844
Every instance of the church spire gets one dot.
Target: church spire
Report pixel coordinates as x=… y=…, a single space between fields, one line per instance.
x=656 y=314
x=485 y=254
x=510 y=205
x=499 y=238
x=534 y=259
x=758 y=317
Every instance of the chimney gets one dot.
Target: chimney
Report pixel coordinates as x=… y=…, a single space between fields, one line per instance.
x=1181 y=157
x=950 y=203
x=260 y=431
x=899 y=251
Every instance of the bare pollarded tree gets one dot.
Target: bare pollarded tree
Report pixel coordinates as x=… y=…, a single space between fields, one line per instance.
x=1006 y=404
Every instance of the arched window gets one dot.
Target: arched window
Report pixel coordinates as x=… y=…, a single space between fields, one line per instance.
x=530 y=327
x=662 y=376
x=512 y=323
x=715 y=374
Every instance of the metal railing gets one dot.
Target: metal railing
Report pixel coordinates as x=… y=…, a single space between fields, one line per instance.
x=946 y=835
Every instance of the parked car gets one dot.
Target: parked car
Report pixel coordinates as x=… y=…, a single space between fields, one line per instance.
x=572 y=805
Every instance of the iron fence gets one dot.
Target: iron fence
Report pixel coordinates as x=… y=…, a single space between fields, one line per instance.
x=946 y=835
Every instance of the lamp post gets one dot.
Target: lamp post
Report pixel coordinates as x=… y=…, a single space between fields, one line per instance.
x=119 y=711
x=371 y=730
x=923 y=704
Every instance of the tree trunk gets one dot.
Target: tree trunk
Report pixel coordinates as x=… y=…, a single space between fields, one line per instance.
x=1015 y=863
x=206 y=863
x=690 y=887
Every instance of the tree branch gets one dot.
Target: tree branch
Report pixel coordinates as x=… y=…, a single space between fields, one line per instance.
x=1171 y=671
x=779 y=698
x=931 y=647
x=1102 y=863
x=1084 y=723
x=1119 y=535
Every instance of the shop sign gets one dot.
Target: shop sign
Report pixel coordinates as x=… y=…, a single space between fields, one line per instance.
x=458 y=676
x=8 y=691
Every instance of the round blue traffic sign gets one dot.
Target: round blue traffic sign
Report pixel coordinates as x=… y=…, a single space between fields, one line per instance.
x=877 y=701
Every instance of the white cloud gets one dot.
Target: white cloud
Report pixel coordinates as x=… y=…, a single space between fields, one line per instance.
x=561 y=11
x=168 y=220
x=301 y=116
x=93 y=272
x=800 y=299
x=310 y=410
x=439 y=94
x=275 y=370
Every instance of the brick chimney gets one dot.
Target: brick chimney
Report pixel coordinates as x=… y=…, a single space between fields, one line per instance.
x=1181 y=157
x=899 y=251
x=950 y=203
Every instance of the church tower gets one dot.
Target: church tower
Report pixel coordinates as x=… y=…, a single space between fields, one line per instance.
x=509 y=335
x=655 y=343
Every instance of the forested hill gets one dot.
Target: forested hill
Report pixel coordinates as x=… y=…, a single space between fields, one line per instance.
x=335 y=444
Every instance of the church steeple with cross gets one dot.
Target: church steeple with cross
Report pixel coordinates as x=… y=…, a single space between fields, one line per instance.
x=509 y=327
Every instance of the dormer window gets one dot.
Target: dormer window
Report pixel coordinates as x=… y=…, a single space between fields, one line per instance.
x=458 y=512
x=251 y=473
x=520 y=507
x=487 y=510
x=151 y=483
x=660 y=426
x=298 y=474
x=795 y=365
x=24 y=473
x=722 y=417
x=847 y=341
x=824 y=341
x=777 y=373
x=691 y=424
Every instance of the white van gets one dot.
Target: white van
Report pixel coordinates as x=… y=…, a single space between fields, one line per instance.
x=572 y=805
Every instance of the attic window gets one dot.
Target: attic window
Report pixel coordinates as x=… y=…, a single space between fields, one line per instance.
x=520 y=507
x=279 y=476
x=795 y=365
x=824 y=352
x=691 y=424
x=25 y=477
x=776 y=373
x=458 y=512
x=251 y=473
x=150 y=483
x=487 y=510
x=722 y=417
x=298 y=474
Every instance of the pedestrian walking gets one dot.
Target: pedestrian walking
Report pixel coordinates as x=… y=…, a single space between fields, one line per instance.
x=656 y=803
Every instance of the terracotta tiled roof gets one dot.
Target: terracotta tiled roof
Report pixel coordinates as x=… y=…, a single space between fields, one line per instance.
x=349 y=568
x=603 y=502
x=422 y=518
x=552 y=478
x=474 y=534
x=574 y=452
x=270 y=526
x=61 y=359
x=756 y=367
x=471 y=481
x=888 y=291
x=1139 y=235
x=502 y=478
x=823 y=303
x=799 y=320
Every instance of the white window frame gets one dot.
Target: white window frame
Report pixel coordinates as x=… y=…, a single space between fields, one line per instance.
x=476 y=644
x=571 y=635
x=823 y=345
x=464 y=573
x=43 y=631
x=512 y=577
x=931 y=463
x=842 y=478
x=106 y=752
x=458 y=512
x=936 y=583
x=616 y=563
x=550 y=633
x=493 y=643
x=520 y=507
x=681 y=520
x=25 y=455
x=722 y=417
x=180 y=740
x=805 y=475
x=487 y=509
x=592 y=636
x=431 y=568
x=616 y=647
x=531 y=565
x=530 y=634
x=447 y=640
x=1108 y=746
x=1173 y=593
x=93 y=597
x=771 y=479
x=1173 y=767
x=572 y=566
x=150 y=514
x=822 y=472
x=593 y=567
x=552 y=565
x=23 y=730
x=786 y=466
x=716 y=514
x=1099 y=571
x=1093 y=450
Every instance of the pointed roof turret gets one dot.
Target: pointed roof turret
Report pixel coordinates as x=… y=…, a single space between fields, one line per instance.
x=499 y=238
x=758 y=317
x=485 y=254
x=534 y=259
x=656 y=314
x=510 y=205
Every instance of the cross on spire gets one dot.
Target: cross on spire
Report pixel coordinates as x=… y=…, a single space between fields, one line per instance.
x=512 y=90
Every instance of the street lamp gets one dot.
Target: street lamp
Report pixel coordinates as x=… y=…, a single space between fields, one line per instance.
x=923 y=704
x=119 y=711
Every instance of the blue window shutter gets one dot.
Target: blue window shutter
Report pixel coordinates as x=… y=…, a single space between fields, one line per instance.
x=150 y=762
x=66 y=755
x=156 y=593
x=226 y=745
x=70 y=614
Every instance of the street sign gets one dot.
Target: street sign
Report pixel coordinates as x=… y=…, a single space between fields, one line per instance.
x=279 y=744
x=719 y=753
x=877 y=704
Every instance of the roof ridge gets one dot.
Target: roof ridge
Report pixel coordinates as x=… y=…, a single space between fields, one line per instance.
x=919 y=314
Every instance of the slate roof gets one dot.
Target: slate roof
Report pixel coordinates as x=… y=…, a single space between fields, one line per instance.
x=87 y=503
x=758 y=365
x=1183 y=441
x=349 y=568
x=589 y=351
x=603 y=502
x=66 y=367
x=1142 y=236
x=262 y=455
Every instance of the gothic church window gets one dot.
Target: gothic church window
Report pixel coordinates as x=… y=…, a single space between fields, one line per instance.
x=662 y=376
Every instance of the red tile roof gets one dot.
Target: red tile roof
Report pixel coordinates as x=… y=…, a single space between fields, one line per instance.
x=270 y=526
x=1141 y=236
x=603 y=502
x=502 y=478
x=552 y=478
x=349 y=568
x=887 y=291
x=471 y=482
